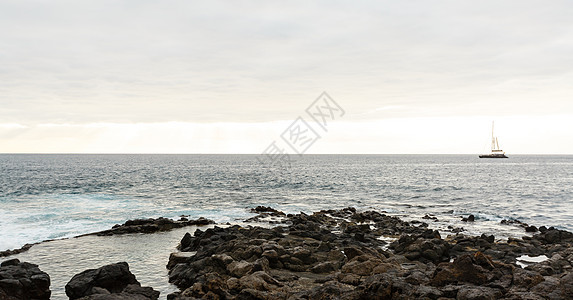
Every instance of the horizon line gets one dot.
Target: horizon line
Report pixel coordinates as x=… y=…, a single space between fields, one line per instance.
x=293 y=154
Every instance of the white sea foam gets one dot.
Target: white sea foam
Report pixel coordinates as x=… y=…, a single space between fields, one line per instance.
x=54 y=196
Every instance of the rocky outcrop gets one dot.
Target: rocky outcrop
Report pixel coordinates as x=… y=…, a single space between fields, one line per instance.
x=22 y=280
x=111 y=282
x=339 y=254
x=16 y=251
x=152 y=225
x=425 y=247
x=267 y=214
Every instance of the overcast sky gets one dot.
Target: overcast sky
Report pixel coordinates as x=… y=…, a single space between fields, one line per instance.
x=230 y=76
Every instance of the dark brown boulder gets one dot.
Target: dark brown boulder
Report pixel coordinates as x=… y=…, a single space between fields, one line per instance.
x=478 y=293
x=553 y=236
x=22 y=280
x=462 y=269
x=111 y=279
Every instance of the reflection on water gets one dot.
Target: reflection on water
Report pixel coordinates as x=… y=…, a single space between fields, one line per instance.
x=146 y=254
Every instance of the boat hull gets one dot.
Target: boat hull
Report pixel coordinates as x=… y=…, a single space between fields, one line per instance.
x=496 y=155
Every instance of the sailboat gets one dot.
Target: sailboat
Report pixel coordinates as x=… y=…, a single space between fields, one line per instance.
x=496 y=152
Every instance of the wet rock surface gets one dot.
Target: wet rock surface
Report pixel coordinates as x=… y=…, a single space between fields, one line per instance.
x=111 y=282
x=22 y=280
x=267 y=214
x=152 y=225
x=343 y=254
x=16 y=251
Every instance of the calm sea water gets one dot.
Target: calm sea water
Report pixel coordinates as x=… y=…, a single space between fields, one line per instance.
x=57 y=196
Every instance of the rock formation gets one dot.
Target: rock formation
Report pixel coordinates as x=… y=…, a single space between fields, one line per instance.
x=111 y=282
x=338 y=254
x=22 y=280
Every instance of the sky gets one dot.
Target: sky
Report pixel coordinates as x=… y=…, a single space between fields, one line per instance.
x=139 y=76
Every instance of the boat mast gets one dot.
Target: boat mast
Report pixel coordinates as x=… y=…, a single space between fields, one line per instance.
x=492 y=137
x=496 y=151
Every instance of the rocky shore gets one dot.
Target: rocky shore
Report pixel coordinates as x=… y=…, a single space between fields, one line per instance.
x=333 y=254
x=345 y=254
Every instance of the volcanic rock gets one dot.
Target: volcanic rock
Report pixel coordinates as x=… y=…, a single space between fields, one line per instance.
x=113 y=281
x=152 y=225
x=22 y=280
x=339 y=254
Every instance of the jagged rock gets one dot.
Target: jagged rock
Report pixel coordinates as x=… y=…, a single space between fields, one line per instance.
x=462 y=269
x=240 y=268
x=478 y=293
x=553 y=235
x=362 y=265
x=526 y=279
x=258 y=281
x=531 y=229
x=113 y=281
x=152 y=225
x=22 y=280
x=337 y=254
x=470 y=218
x=185 y=241
x=376 y=287
x=178 y=258
x=566 y=285
x=427 y=247
x=330 y=290
x=325 y=267
x=267 y=209
x=209 y=286
x=430 y=217
x=265 y=212
x=24 y=248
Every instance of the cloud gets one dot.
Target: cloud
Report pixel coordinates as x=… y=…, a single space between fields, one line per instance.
x=131 y=62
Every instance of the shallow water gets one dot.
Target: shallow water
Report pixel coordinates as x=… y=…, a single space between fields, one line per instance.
x=146 y=254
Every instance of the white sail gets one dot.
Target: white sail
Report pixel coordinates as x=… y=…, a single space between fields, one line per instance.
x=494 y=141
x=496 y=151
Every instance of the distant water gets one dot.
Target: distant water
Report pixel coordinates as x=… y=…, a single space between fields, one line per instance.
x=56 y=196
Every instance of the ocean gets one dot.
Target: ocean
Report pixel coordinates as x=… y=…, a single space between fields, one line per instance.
x=57 y=196
x=46 y=197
